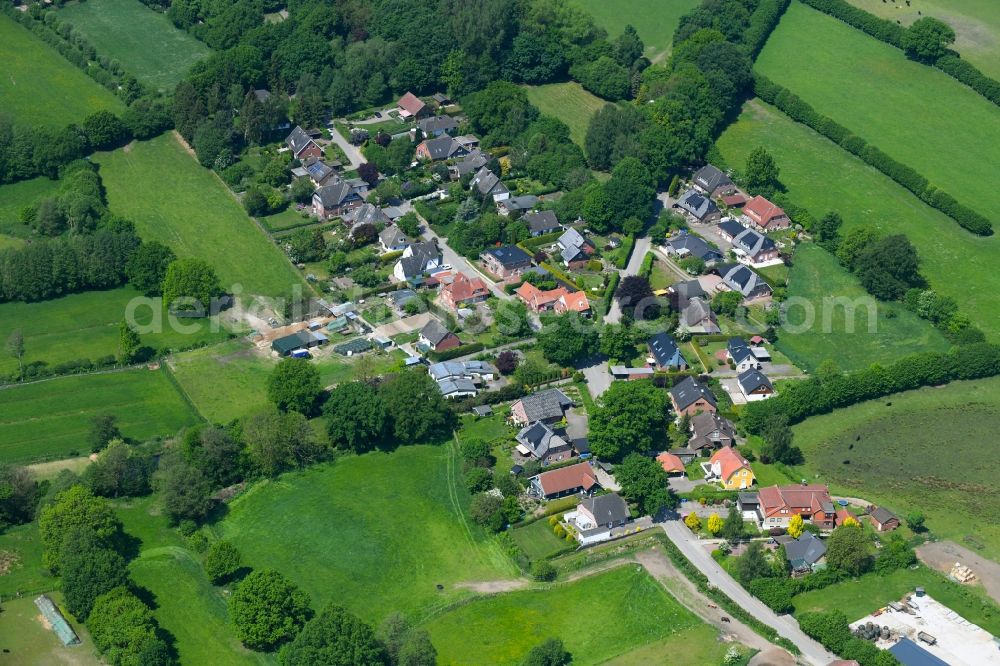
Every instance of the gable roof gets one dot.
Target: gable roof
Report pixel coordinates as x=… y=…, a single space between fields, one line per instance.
x=753 y=379
x=665 y=351
x=581 y=475
x=610 y=508
x=709 y=425
x=486 y=182
x=688 y=289
x=367 y=213
x=440 y=148
x=392 y=236
x=509 y=255
x=463 y=288
x=688 y=391
x=670 y=462
x=881 y=515
x=298 y=140
x=740 y=278
x=805 y=551
x=523 y=202
x=696 y=203
x=909 y=653
x=697 y=311
x=317 y=169
x=731 y=227
x=454 y=386
x=739 y=350
x=795 y=498
x=538 y=298
x=437 y=124
x=571 y=244
x=434 y=332
x=685 y=243
x=544 y=405
x=335 y=194
x=762 y=211
x=540 y=439
x=710 y=178
x=730 y=462
x=575 y=301
x=411 y=104
x=469 y=163
x=543 y=221
x=752 y=242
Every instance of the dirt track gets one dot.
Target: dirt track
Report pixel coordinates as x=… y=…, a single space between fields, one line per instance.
x=943 y=555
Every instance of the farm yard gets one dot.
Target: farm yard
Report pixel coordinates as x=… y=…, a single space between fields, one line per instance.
x=40 y=87
x=145 y=41
x=915 y=113
x=175 y=201
x=51 y=418
x=821 y=176
x=568 y=102
x=654 y=20
x=816 y=276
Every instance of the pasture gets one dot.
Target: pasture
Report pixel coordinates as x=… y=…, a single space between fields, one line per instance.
x=624 y=603
x=821 y=176
x=568 y=102
x=830 y=332
x=51 y=418
x=85 y=325
x=22 y=546
x=892 y=451
x=915 y=113
x=172 y=199
x=224 y=382
x=144 y=41
x=15 y=196
x=976 y=24
x=377 y=533
x=40 y=87
x=655 y=21
x=27 y=641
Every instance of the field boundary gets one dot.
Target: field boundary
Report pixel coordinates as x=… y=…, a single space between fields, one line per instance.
x=164 y=367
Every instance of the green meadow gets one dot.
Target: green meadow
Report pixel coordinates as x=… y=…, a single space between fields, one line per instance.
x=654 y=20
x=15 y=196
x=40 y=87
x=568 y=102
x=225 y=381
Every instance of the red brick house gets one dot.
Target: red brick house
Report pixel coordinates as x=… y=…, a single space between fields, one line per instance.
x=411 y=106
x=437 y=337
x=813 y=502
x=336 y=199
x=579 y=478
x=692 y=397
x=302 y=145
x=506 y=261
x=464 y=291
x=765 y=215
x=882 y=519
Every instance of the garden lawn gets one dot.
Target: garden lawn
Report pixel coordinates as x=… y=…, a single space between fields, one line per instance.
x=858 y=597
x=852 y=342
x=598 y=618
x=568 y=102
x=336 y=369
x=86 y=325
x=51 y=418
x=174 y=200
x=538 y=541
x=376 y=533
x=144 y=41
x=27 y=641
x=821 y=176
x=225 y=381
x=15 y=196
x=917 y=114
x=976 y=24
x=40 y=87
x=286 y=219
x=919 y=450
x=654 y=20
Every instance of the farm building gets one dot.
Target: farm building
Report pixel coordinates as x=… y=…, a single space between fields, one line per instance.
x=57 y=621
x=351 y=347
x=301 y=340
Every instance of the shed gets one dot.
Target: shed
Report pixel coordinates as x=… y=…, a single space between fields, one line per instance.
x=56 y=620
x=482 y=410
x=382 y=342
x=351 y=347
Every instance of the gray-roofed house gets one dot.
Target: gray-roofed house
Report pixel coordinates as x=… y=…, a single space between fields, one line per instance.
x=804 y=553
x=711 y=431
x=435 y=336
x=514 y=205
x=506 y=261
x=542 y=222
x=711 y=180
x=689 y=396
x=482 y=411
x=488 y=184
x=457 y=388
x=318 y=171
x=541 y=442
x=366 y=213
x=437 y=125
x=302 y=145
x=729 y=228
x=574 y=249
x=475 y=371
x=882 y=519
x=699 y=206
x=599 y=518
x=417 y=259
x=697 y=317
x=469 y=164
x=754 y=385
x=336 y=198
x=741 y=355
x=392 y=239
x=443 y=147
x=546 y=406
x=665 y=352
x=754 y=248
x=743 y=280
x=685 y=245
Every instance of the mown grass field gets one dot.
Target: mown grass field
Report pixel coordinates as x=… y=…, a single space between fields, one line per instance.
x=145 y=42
x=538 y=541
x=915 y=113
x=26 y=575
x=695 y=646
x=15 y=196
x=654 y=20
x=376 y=533
x=568 y=102
x=976 y=24
x=924 y=452
x=86 y=325
x=51 y=419
x=224 y=382
x=822 y=176
x=852 y=342
x=174 y=200
x=598 y=618
x=40 y=87
x=27 y=641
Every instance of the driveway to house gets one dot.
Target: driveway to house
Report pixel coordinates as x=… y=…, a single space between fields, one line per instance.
x=352 y=152
x=683 y=484
x=785 y=625
x=642 y=246
x=732 y=387
x=457 y=261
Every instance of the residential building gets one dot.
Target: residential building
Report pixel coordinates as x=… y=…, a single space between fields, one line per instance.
x=412 y=107
x=469 y=164
x=434 y=126
x=318 y=171
x=682 y=293
x=741 y=355
x=546 y=406
x=765 y=215
x=709 y=180
x=435 y=336
x=754 y=385
x=730 y=228
x=506 y=261
x=457 y=388
x=573 y=301
x=882 y=519
x=417 y=259
x=337 y=198
x=302 y=144
x=579 y=478
x=685 y=245
x=697 y=317
x=804 y=554
x=672 y=463
x=754 y=248
x=749 y=506
x=730 y=469
x=698 y=206
x=366 y=213
x=598 y=518
x=665 y=353
x=559 y=299
x=476 y=372
x=737 y=277
x=516 y=205
x=813 y=502
x=464 y=291
x=541 y=222
x=443 y=147
x=689 y=396
x=488 y=184
x=541 y=442
x=392 y=239
x=711 y=431
x=574 y=249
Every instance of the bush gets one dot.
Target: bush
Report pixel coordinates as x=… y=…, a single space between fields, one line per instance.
x=777 y=593
x=542 y=570
x=222 y=561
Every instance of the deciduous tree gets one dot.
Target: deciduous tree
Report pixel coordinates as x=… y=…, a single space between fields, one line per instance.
x=268 y=610
x=568 y=339
x=222 y=561
x=928 y=39
x=15 y=349
x=356 y=417
x=630 y=417
x=294 y=386
x=147 y=267
x=417 y=411
x=848 y=549
x=88 y=568
x=73 y=508
x=714 y=524
x=550 y=652
x=692 y=521
x=761 y=172
x=335 y=637
x=184 y=490
x=796 y=526
x=190 y=284
x=643 y=481
x=128 y=343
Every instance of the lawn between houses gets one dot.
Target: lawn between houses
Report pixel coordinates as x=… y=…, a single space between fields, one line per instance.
x=919 y=450
x=177 y=202
x=917 y=114
x=821 y=176
x=40 y=87
x=568 y=102
x=144 y=41
x=654 y=20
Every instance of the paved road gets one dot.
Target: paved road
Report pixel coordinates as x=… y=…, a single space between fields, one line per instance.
x=457 y=261
x=635 y=261
x=352 y=152
x=785 y=625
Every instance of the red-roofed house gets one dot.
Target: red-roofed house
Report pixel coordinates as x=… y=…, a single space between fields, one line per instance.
x=558 y=299
x=671 y=463
x=730 y=469
x=573 y=302
x=579 y=478
x=464 y=291
x=411 y=106
x=765 y=215
x=813 y=502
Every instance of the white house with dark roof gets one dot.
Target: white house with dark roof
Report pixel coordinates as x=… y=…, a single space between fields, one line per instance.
x=392 y=239
x=516 y=205
x=488 y=184
x=739 y=278
x=541 y=442
x=437 y=125
x=754 y=248
x=754 y=385
x=742 y=356
x=417 y=259
x=598 y=518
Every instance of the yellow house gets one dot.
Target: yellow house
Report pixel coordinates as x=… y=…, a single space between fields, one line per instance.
x=730 y=469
